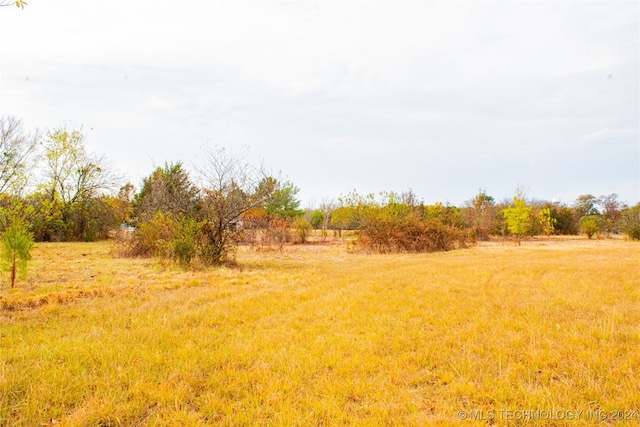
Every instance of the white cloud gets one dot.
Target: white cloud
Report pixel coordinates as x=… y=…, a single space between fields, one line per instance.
x=607 y=134
x=423 y=88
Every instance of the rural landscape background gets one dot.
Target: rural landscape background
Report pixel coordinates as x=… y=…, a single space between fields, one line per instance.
x=319 y=213
x=226 y=303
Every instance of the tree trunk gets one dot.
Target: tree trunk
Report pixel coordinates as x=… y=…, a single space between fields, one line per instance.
x=13 y=272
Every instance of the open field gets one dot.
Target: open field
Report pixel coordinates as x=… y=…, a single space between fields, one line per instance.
x=315 y=335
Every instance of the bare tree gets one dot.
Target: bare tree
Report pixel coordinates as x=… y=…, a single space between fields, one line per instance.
x=18 y=151
x=480 y=215
x=612 y=209
x=327 y=206
x=231 y=187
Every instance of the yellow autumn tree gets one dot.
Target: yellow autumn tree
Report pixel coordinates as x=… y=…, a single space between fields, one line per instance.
x=518 y=216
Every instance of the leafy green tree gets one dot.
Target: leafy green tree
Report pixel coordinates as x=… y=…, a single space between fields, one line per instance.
x=317 y=219
x=46 y=218
x=17 y=242
x=283 y=204
x=630 y=222
x=565 y=221
x=518 y=216
x=100 y=216
x=167 y=213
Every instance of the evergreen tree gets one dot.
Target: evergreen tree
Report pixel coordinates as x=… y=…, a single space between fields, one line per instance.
x=17 y=242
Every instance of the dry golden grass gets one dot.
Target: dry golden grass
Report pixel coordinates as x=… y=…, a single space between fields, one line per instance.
x=315 y=335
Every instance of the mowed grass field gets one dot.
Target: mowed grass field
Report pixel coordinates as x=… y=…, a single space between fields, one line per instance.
x=317 y=336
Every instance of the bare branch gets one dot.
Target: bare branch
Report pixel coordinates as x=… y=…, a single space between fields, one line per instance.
x=18 y=152
x=231 y=187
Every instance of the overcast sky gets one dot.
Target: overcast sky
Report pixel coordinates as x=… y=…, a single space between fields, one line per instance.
x=443 y=98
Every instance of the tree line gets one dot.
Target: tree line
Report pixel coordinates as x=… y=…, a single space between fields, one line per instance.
x=53 y=189
x=397 y=221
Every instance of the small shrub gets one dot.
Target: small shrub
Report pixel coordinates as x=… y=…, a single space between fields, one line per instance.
x=151 y=238
x=218 y=246
x=410 y=234
x=185 y=244
x=303 y=229
x=589 y=226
